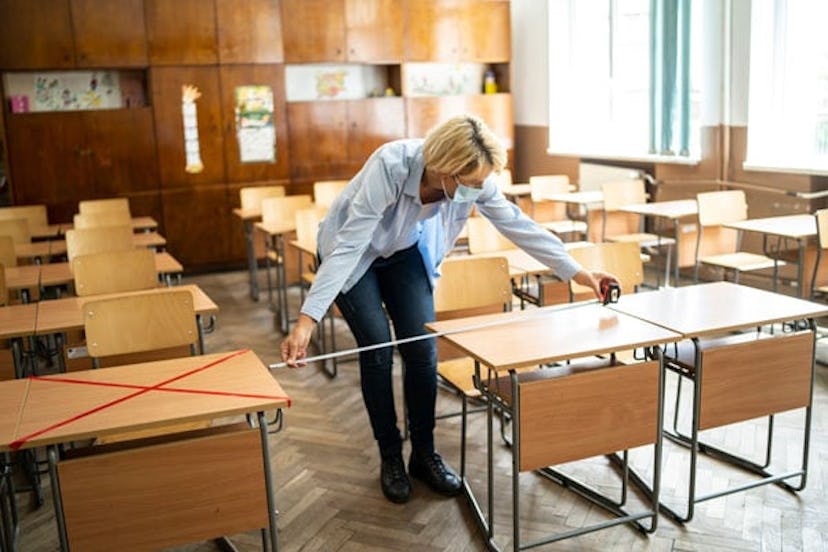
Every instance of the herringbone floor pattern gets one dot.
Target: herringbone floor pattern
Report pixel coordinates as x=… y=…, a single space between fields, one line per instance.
x=327 y=469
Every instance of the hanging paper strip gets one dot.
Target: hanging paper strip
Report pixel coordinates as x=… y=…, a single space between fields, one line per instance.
x=189 y=95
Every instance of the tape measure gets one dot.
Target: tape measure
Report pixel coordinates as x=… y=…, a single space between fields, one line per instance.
x=610 y=292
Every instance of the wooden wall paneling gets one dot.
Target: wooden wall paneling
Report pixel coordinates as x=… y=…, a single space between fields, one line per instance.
x=122 y=154
x=371 y=123
x=318 y=133
x=109 y=34
x=374 y=30
x=47 y=161
x=36 y=35
x=423 y=113
x=249 y=31
x=233 y=76
x=736 y=172
x=487 y=31
x=166 y=83
x=147 y=204
x=197 y=225
x=181 y=32
x=432 y=28
x=313 y=30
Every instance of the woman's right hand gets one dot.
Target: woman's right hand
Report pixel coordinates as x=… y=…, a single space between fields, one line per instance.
x=294 y=347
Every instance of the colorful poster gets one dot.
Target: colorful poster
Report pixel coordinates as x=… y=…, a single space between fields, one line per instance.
x=76 y=90
x=255 y=132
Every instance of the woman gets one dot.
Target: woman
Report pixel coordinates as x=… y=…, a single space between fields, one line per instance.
x=380 y=246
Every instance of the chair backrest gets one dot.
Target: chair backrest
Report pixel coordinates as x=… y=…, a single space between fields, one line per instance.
x=623 y=259
x=325 y=191
x=110 y=205
x=86 y=241
x=35 y=215
x=8 y=257
x=4 y=293
x=138 y=323
x=17 y=228
x=104 y=218
x=251 y=196
x=619 y=193
x=822 y=227
x=541 y=186
x=715 y=209
x=470 y=286
x=485 y=238
x=279 y=209
x=114 y=272
x=307 y=224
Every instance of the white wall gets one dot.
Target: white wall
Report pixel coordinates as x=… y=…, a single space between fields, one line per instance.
x=530 y=63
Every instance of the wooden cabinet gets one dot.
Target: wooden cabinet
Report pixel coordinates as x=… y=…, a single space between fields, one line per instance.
x=458 y=30
x=424 y=113
x=109 y=34
x=61 y=158
x=181 y=32
x=233 y=76
x=167 y=83
x=332 y=139
x=56 y=34
x=249 y=31
x=343 y=30
x=36 y=35
x=197 y=225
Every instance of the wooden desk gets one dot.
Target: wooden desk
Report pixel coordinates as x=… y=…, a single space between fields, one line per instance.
x=673 y=211
x=794 y=227
x=276 y=233
x=571 y=415
x=735 y=377
x=588 y=203
x=22 y=279
x=45 y=232
x=190 y=487
x=139 y=224
x=18 y=322
x=248 y=218
x=59 y=274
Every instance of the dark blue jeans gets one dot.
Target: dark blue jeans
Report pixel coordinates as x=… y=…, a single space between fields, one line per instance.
x=401 y=283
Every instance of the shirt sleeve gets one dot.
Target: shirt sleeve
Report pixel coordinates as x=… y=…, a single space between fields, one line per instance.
x=536 y=240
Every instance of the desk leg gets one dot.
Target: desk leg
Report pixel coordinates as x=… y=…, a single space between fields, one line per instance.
x=800 y=269
x=53 y=475
x=252 y=265
x=676 y=232
x=281 y=285
x=271 y=496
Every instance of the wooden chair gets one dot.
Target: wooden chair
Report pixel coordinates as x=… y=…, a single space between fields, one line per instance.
x=101 y=219
x=110 y=205
x=17 y=228
x=552 y=215
x=102 y=239
x=483 y=237
x=623 y=259
x=627 y=226
x=719 y=247
x=35 y=215
x=468 y=286
x=251 y=196
x=822 y=244
x=114 y=272
x=7 y=255
x=326 y=191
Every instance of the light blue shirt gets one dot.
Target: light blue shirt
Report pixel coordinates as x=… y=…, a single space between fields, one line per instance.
x=380 y=213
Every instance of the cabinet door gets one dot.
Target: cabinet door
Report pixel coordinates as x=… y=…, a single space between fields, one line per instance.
x=371 y=123
x=318 y=136
x=181 y=32
x=249 y=31
x=109 y=34
x=197 y=222
x=122 y=154
x=48 y=160
x=495 y=109
x=313 y=30
x=233 y=76
x=36 y=35
x=167 y=83
x=487 y=35
x=374 y=30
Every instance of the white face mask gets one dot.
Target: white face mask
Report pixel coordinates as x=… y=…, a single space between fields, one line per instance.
x=462 y=193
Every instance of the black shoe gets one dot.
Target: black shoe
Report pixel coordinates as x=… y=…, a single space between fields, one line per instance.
x=395 y=483
x=431 y=469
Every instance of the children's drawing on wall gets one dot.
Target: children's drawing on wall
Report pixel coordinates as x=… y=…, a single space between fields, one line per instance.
x=255 y=132
x=76 y=90
x=189 y=95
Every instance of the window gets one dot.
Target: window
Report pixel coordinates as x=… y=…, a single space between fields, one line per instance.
x=788 y=95
x=622 y=81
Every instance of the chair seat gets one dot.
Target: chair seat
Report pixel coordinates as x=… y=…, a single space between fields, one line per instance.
x=565 y=226
x=643 y=239
x=459 y=373
x=741 y=261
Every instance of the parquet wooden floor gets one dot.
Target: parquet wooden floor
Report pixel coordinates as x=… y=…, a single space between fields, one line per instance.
x=327 y=472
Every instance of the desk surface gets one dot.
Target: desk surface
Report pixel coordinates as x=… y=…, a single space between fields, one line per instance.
x=787 y=226
x=97 y=403
x=23 y=277
x=276 y=228
x=247 y=214
x=18 y=320
x=668 y=209
x=708 y=309
x=550 y=334
x=60 y=315
x=12 y=397
x=578 y=198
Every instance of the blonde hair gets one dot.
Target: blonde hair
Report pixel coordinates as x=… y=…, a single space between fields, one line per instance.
x=463 y=145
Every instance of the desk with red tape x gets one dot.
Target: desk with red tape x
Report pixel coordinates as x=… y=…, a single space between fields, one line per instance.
x=155 y=492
